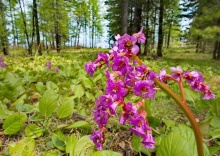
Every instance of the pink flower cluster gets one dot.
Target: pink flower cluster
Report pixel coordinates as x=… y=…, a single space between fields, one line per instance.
x=48 y=64
x=125 y=76
x=193 y=78
x=2 y=63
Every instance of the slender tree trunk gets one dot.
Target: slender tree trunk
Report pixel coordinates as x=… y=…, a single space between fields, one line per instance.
x=124 y=24
x=203 y=46
x=12 y=23
x=33 y=28
x=214 y=56
x=57 y=27
x=52 y=45
x=169 y=34
x=93 y=25
x=131 y=23
x=137 y=20
x=137 y=17
x=25 y=29
x=154 y=27
x=197 y=44
x=218 y=51
x=3 y=30
x=160 y=32
x=147 y=29
x=37 y=27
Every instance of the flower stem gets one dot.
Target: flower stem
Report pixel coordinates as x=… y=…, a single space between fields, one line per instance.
x=183 y=106
x=188 y=114
x=180 y=83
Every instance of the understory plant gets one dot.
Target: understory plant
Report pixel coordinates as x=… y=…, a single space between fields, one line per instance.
x=127 y=75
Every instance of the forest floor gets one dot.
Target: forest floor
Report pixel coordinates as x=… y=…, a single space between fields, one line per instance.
x=162 y=109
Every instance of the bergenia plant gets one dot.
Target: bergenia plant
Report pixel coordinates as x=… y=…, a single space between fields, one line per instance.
x=126 y=74
x=2 y=63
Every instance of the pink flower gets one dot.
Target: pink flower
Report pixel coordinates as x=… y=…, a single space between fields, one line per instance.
x=145 y=89
x=128 y=44
x=97 y=138
x=49 y=65
x=56 y=69
x=90 y=68
x=2 y=63
x=140 y=36
x=148 y=141
x=177 y=72
x=116 y=89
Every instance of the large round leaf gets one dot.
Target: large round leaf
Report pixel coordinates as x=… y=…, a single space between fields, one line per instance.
x=84 y=147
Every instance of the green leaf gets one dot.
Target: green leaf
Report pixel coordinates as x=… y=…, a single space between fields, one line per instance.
x=90 y=96
x=14 y=123
x=51 y=153
x=58 y=140
x=87 y=83
x=106 y=153
x=80 y=124
x=174 y=145
x=169 y=123
x=98 y=77
x=65 y=110
x=215 y=122
x=33 y=131
x=84 y=146
x=24 y=147
x=40 y=87
x=215 y=133
x=147 y=105
x=190 y=95
x=153 y=121
x=52 y=86
x=79 y=91
x=48 y=103
x=70 y=144
x=204 y=126
x=136 y=143
x=188 y=134
x=214 y=149
x=4 y=112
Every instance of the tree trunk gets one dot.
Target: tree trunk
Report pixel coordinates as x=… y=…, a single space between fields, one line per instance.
x=147 y=29
x=169 y=34
x=25 y=29
x=137 y=20
x=160 y=32
x=124 y=24
x=57 y=27
x=3 y=30
x=154 y=28
x=52 y=45
x=37 y=27
x=137 y=17
x=197 y=44
x=12 y=23
x=216 y=51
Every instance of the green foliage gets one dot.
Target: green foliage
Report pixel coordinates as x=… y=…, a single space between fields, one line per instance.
x=44 y=109
x=106 y=153
x=70 y=144
x=14 y=123
x=180 y=141
x=24 y=147
x=84 y=146
x=48 y=103
x=80 y=125
x=33 y=131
